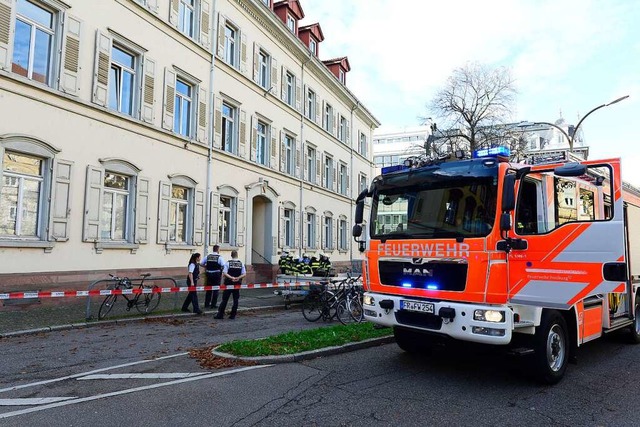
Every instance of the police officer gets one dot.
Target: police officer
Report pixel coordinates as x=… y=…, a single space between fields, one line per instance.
x=233 y=273
x=213 y=264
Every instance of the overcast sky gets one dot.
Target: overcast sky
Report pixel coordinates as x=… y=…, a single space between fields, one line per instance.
x=567 y=56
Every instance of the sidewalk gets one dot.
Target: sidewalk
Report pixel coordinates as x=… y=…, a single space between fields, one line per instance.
x=71 y=312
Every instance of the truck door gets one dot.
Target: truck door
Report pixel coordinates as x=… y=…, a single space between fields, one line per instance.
x=570 y=222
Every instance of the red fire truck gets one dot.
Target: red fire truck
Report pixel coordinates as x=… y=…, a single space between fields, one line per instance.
x=541 y=257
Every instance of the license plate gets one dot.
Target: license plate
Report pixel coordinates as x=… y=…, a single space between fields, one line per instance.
x=422 y=307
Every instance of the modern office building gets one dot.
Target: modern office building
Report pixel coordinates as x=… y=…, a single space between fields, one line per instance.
x=135 y=133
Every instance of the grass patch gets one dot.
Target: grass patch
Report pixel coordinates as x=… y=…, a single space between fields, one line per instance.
x=299 y=341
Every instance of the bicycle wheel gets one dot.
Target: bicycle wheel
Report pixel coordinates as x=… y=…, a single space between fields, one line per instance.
x=343 y=312
x=330 y=306
x=356 y=310
x=106 y=306
x=146 y=303
x=312 y=307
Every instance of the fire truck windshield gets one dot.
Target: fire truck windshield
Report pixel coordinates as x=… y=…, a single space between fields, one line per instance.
x=435 y=202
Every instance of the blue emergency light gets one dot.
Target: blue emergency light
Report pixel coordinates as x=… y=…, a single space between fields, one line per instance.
x=492 y=152
x=394 y=168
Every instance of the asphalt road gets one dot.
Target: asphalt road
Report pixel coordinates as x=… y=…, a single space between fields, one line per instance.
x=140 y=374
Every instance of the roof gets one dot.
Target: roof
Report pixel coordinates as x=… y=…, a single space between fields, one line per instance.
x=315 y=30
x=293 y=6
x=344 y=62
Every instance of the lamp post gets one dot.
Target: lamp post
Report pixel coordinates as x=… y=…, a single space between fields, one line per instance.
x=575 y=131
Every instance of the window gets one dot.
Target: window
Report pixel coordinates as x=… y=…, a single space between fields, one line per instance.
x=229 y=128
x=288 y=231
x=291 y=23
x=289 y=154
x=343 y=130
x=328 y=118
x=313 y=46
x=178 y=214
x=290 y=95
x=341 y=76
x=267 y=3
x=186 y=13
x=122 y=80
x=328 y=232
x=328 y=172
x=343 y=179
x=183 y=106
x=262 y=144
x=21 y=195
x=342 y=235
x=362 y=144
x=362 y=182
x=264 y=70
x=230 y=43
x=311 y=105
x=115 y=204
x=311 y=165
x=33 y=47
x=226 y=219
x=311 y=230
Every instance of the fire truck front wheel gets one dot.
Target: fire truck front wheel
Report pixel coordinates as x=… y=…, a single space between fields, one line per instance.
x=551 y=347
x=635 y=328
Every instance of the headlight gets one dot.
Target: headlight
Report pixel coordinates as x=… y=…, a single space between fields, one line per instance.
x=488 y=316
x=368 y=300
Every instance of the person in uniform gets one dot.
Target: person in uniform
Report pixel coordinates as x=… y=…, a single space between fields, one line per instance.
x=192 y=280
x=213 y=264
x=233 y=273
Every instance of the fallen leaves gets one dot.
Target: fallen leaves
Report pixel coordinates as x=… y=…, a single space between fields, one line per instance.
x=207 y=360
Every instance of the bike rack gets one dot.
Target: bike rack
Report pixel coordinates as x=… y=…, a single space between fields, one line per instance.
x=134 y=283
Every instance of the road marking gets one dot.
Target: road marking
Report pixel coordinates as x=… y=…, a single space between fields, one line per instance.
x=136 y=376
x=131 y=390
x=33 y=401
x=17 y=387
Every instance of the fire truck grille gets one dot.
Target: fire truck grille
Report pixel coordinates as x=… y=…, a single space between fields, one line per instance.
x=423 y=320
x=433 y=275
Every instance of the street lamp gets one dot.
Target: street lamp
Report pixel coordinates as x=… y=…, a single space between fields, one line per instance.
x=575 y=131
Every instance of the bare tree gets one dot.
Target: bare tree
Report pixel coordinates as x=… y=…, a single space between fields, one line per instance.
x=474 y=107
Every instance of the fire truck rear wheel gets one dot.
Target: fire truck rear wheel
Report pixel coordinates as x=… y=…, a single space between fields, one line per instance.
x=411 y=341
x=551 y=346
x=635 y=328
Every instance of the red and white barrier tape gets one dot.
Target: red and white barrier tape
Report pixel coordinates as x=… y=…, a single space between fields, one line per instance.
x=158 y=290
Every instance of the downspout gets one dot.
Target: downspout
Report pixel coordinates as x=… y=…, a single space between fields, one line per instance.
x=302 y=153
x=211 y=95
x=351 y=198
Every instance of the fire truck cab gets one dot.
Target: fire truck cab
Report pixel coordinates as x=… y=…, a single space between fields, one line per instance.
x=537 y=256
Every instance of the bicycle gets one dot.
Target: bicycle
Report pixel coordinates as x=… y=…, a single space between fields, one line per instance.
x=349 y=308
x=145 y=303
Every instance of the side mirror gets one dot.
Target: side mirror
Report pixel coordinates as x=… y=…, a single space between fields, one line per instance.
x=363 y=195
x=357 y=231
x=509 y=193
x=505 y=221
x=359 y=211
x=570 y=169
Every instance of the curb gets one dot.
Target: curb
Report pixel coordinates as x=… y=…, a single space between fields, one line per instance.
x=307 y=355
x=66 y=327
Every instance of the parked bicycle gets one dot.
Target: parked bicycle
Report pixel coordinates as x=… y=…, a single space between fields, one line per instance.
x=145 y=303
x=342 y=300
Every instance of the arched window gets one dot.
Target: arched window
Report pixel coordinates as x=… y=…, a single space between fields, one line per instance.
x=181 y=213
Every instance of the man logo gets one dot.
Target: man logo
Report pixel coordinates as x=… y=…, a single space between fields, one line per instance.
x=423 y=272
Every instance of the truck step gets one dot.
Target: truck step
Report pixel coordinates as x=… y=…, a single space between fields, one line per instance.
x=520 y=351
x=619 y=323
x=523 y=324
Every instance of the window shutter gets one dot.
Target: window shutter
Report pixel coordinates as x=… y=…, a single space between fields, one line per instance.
x=70 y=60
x=305 y=228
x=283 y=150
x=283 y=84
x=243 y=53
x=169 y=99
x=7 y=28
x=93 y=204
x=318 y=235
x=198 y=218
x=347 y=192
x=205 y=24
x=164 y=203
x=240 y=223
x=334 y=181
x=148 y=89
x=273 y=152
x=298 y=157
x=174 y=11
x=320 y=170
x=152 y=5
x=298 y=96
x=306 y=167
x=243 y=134
x=221 y=26
x=334 y=124
x=201 y=135
x=274 y=76
x=322 y=232
x=296 y=228
x=254 y=138
x=348 y=136
x=281 y=227
x=215 y=212
x=1 y=169
x=256 y=64
x=336 y=227
x=142 y=210
x=305 y=101
x=101 y=69
x=217 y=137
x=318 y=112
x=60 y=201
